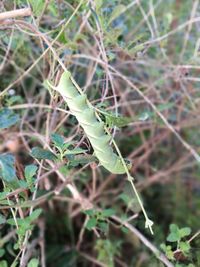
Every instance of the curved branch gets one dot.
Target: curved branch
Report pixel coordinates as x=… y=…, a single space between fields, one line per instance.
x=145 y=241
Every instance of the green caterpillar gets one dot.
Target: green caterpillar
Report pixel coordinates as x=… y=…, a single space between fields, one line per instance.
x=93 y=128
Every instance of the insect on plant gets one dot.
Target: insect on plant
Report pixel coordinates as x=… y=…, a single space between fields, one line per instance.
x=95 y=131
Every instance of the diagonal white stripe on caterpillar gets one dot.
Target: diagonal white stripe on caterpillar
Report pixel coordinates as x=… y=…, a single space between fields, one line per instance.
x=93 y=128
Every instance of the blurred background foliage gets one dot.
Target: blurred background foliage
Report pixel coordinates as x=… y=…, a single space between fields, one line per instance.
x=110 y=47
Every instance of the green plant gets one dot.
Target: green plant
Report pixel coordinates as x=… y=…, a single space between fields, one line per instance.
x=137 y=65
x=23 y=225
x=179 y=246
x=98 y=219
x=106 y=251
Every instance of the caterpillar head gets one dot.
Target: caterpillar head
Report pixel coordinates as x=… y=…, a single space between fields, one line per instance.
x=66 y=87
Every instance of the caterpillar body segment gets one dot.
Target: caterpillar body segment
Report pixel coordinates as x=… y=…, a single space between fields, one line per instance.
x=80 y=102
x=66 y=88
x=94 y=129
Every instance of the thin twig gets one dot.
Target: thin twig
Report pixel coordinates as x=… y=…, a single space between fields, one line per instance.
x=23 y=12
x=145 y=241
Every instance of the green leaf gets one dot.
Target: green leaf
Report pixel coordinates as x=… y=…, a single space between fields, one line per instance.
x=7 y=169
x=103 y=226
x=173 y=237
x=98 y=4
x=170 y=255
x=118 y=121
x=168 y=251
x=184 y=247
x=113 y=120
x=53 y=8
x=11 y=221
x=22 y=184
x=90 y=212
x=2 y=252
x=75 y=151
x=74 y=162
x=40 y=153
x=14 y=99
x=173 y=228
x=24 y=226
x=58 y=140
x=163 y=247
x=3 y=264
x=92 y=222
x=118 y=10
x=25 y=223
x=6 y=202
x=33 y=263
x=136 y=49
x=111 y=37
x=37 y=6
x=139 y=38
x=185 y=231
x=176 y=234
x=7 y=118
x=125 y=198
x=108 y=212
x=2 y=219
x=3 y=195
x=35 y=214
x=125 y=230
x=64 y=170
x=30 y=171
